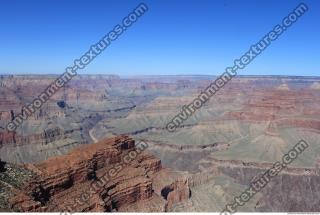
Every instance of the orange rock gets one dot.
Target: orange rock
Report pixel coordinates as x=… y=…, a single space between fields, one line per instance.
x=94 y=177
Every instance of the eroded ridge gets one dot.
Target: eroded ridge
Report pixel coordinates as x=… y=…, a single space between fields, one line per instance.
x=97 y=177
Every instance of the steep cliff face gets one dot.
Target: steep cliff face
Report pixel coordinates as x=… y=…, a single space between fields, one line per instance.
x=293 y=190
x=7 y=137
x=176 y=192
x=45 y=137
x=34 y=147
x=105 y=176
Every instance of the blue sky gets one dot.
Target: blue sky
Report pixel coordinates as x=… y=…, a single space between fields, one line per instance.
x=173 y=37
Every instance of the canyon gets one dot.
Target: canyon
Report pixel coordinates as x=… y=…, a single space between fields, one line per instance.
x=70 y=157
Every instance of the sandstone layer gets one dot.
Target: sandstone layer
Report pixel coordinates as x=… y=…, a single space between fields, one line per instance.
x=98 y=177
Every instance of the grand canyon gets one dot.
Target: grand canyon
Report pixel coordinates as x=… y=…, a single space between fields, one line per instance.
x=71 y=155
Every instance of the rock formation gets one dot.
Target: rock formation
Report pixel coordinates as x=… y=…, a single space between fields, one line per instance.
x=239 y=132
x=98 y=177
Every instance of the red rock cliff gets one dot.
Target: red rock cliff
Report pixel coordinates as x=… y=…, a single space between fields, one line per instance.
x=104 y=176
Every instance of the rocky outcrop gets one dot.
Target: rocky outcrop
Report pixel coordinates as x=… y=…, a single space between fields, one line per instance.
x=176 y=192
x=43 y=138
x=104 y=176
x=7 y=137
x=12 y=178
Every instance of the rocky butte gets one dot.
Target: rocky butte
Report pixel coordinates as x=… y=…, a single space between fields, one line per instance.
x=96 y=178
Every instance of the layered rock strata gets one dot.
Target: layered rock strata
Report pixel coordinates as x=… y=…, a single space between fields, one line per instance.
x=106 y=176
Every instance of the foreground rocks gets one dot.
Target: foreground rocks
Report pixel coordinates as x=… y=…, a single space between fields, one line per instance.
x=101 y=177
x=12 y=178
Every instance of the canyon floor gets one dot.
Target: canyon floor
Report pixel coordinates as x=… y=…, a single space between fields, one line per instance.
x=66 y=150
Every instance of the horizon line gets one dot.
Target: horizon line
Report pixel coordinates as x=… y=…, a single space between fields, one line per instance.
x=157 y=75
